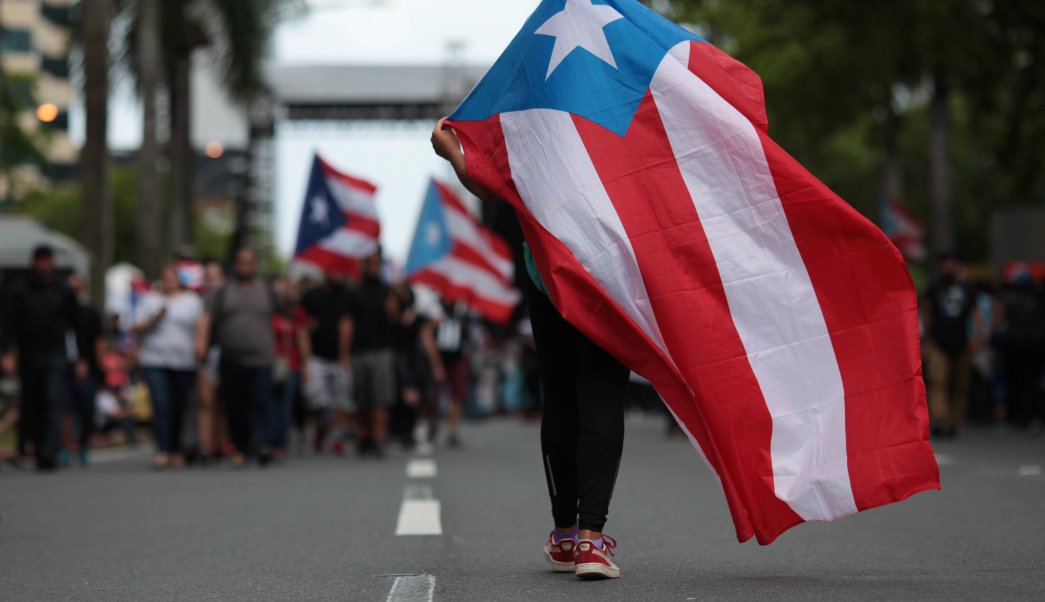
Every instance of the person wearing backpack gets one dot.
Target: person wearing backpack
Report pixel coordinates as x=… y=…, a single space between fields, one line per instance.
x=239 y=317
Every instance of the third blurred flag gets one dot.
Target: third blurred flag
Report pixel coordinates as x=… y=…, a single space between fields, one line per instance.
x=460 y=258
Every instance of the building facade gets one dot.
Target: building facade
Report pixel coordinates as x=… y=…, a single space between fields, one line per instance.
x=34 y=56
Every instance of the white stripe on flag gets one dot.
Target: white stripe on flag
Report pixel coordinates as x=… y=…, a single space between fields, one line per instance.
x=770 y=294
x=349 y=243
x=352 y=199
x=480 y=281
x=464 y=230
x=566 y=196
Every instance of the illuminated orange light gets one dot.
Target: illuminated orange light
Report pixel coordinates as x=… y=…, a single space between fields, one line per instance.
x=214 y=150
x=47 y=112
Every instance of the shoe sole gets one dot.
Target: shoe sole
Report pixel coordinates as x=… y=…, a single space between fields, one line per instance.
x=594 y=571
x=560 y=567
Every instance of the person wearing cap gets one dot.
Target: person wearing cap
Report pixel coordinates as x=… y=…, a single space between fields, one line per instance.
x=41 y=324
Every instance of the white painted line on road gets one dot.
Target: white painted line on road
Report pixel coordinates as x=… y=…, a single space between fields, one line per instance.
x=944 y=460
x=412 y=588
x=1030 y=471
x=420 y=517
x=421 y=469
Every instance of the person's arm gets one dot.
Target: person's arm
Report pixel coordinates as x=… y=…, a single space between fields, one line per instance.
x=448 y=146
x=432 y=351
x=8 y=324
x=203 y=336
x=305 y=350
x=147 y=325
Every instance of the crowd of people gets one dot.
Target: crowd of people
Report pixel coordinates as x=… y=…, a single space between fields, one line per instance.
x=238 y=367
x=984 y=349
x=242 y=368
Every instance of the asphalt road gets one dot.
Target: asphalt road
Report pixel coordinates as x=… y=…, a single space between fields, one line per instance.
x=325 y=529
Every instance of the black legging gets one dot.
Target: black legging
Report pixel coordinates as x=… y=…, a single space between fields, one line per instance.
x=582 y=431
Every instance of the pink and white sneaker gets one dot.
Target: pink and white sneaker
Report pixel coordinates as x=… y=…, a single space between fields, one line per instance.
x=592 y=562
x=560 y=555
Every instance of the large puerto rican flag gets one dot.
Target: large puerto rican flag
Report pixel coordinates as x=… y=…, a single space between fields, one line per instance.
x=779 y=325
x=339 y=222
x=455 y=254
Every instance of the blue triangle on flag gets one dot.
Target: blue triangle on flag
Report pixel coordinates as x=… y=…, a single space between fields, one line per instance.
x=321 y=216
x=432 y=239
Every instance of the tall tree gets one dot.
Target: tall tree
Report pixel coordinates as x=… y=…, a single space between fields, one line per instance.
x=148 y=232
x=97 y=204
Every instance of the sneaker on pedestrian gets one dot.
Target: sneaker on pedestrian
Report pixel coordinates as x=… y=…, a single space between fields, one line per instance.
x=593 y=562
x=560 y=555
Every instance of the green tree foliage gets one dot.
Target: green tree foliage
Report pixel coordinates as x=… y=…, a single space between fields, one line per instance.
x=847 y=81
x=58 y=208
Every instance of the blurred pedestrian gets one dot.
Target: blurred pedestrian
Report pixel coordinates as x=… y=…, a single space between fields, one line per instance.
x=1023 y=350
x=582 y=430
x=211 y=423
x=87 y=376
x=452 y=341
x=948 y=306
x=240 y=313
x=287 y=324
x=419 y=366
x=42 y=317
x=166 y=326
x=326 y=368
x=372 y=345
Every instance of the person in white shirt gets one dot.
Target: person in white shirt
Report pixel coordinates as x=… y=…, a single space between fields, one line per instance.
x=166 y=324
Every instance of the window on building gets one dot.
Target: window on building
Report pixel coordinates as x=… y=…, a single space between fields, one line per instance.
x=59 y=15
x=17 y=40
x=57 y=67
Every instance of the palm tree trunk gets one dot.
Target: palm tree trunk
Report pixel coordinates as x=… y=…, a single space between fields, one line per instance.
x=148 y=190
x=97 y=204
x=941 y=195
x=181 y=155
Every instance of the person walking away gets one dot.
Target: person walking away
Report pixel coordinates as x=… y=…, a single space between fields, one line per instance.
x=451 y=339
x=211 y=423
x=949 y=305
x=88 y=375
x=287 y=325
x=43 y=312
x=326 y=363
x=1023 y=351
x=372 y=346
x=240 y=313
x=419 y=365
x=166 y=328
x=582 y=428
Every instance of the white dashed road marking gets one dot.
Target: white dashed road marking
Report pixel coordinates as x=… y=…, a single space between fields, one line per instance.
x=412 y=588
x=420 y=513
x=421 y=469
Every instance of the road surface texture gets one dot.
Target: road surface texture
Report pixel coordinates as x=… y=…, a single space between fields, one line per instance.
x=326 y=529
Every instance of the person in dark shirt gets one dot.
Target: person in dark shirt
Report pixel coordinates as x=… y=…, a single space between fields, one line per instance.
x=418 y=361
x=42 y=314
x=87 y=372
x=325 y=360
x=948 y=306
x=372 y=344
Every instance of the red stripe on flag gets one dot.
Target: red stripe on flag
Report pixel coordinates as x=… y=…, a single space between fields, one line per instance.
x=471 y=256
x=871 y=311
x=357 y=183
x=449 y=197
x=364 y=224
x=491 y=310
x=330 y=261
x=687 y=296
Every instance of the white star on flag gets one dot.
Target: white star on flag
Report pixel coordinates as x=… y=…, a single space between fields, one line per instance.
x=320 y=212
x=580 y=25
x=433 y=235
